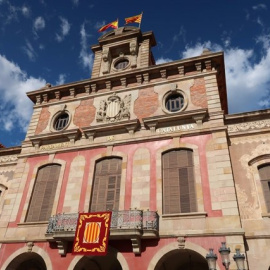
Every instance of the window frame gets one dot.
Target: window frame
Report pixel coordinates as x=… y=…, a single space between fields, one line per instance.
x=36 y=184
x=173 y=172
x=55 y=118
x=265 y=191
x=173 y=93
x=93 y=206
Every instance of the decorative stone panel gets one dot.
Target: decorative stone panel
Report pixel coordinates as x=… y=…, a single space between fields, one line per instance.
x=114 y=109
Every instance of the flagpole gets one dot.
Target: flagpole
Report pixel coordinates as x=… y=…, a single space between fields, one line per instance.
x=141 y=21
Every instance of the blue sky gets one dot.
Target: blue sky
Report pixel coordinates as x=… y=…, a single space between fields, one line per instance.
x=49 y=41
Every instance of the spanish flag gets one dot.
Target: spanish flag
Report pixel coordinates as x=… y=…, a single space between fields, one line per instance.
x=134 y=19
x=113 y=24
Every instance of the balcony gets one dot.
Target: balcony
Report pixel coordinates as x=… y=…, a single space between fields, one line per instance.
x=128 y=224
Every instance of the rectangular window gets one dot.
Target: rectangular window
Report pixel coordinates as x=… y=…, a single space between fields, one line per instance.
x=41 y=203
x=106 y=188
x=179 y=194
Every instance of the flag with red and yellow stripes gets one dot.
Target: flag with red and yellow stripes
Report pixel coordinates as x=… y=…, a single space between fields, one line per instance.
x=92 y=234
x=113 y=24
x=134 y=19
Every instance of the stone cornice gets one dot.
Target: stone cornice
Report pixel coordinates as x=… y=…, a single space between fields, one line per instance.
x=129 y=126
x=249 y=127
x=186 y=68
x=89 y=142
x=71 y=135
x=195 y=116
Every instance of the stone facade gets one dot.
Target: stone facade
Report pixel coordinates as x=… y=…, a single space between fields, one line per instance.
x=123 y=113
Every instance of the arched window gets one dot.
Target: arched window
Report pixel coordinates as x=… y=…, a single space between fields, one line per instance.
x=43 y=195
x=264 y=172
x=106 y=188
x=179 y=194
x=2 y=193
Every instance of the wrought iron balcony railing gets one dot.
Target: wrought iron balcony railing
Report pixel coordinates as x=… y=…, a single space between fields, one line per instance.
x=126 y=219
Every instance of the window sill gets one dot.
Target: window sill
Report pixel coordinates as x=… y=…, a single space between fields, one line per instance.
x=185 y=215
x=36 y=223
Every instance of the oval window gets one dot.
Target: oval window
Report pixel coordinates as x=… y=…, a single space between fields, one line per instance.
x=61 y=121
x=121 y=64
x=174 y=102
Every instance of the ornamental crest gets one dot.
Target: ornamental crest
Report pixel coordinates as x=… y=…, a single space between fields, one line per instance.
x=114 y=109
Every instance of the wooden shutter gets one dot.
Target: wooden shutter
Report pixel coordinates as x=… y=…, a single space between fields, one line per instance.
x=106 y=189
x=264 y=173
x=43 y=193
x=179 y=194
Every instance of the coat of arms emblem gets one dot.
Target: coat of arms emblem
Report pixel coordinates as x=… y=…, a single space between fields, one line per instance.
x=114 y=109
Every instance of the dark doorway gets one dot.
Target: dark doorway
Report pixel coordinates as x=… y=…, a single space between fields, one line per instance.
x=182 y=259
x=27 y=261
x=108 y=262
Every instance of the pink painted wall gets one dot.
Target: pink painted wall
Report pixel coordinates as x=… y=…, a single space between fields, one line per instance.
x=129 y=150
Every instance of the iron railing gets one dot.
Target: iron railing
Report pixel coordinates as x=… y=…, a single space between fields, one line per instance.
x=126 y=219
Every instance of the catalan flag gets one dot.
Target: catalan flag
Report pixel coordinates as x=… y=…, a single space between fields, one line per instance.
x=92 y=234
x=134 y=19
x=113 y=24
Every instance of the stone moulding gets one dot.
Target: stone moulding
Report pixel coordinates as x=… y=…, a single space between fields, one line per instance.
x=6 y=159
x=247 y=126
x=43 y=139
x=129 y=126
x=176 y=120
x=207 y=63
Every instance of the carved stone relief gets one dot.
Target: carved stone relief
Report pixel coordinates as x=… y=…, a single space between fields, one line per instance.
x=5 y=159
x=249 y=209
x=7 y=174
x=249 y=126
x=114 y=109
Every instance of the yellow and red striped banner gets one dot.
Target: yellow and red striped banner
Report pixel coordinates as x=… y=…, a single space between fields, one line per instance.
x=92 y=234
x=113 y=24
x=134 y=19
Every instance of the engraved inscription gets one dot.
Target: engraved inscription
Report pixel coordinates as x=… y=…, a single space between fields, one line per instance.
x=175 y=128
x=54 y=146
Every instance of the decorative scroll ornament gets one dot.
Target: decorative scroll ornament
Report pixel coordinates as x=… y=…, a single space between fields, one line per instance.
x=114 y=109
x=249 y=126
x=181 y=242
x=8 y=159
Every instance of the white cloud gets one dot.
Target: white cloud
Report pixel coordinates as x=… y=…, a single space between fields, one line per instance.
x=39 y=23
x=15 y=108
x=162 y=60
x=192 y=51
x=259 y=21
x=65 y=27
x=247 y=81
x=25 y=11
x=61 y=79
x=99 y=24
x=29 y=50
x=259 y=6
x=13 y=12
x=75 y=2
x=86 y=57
